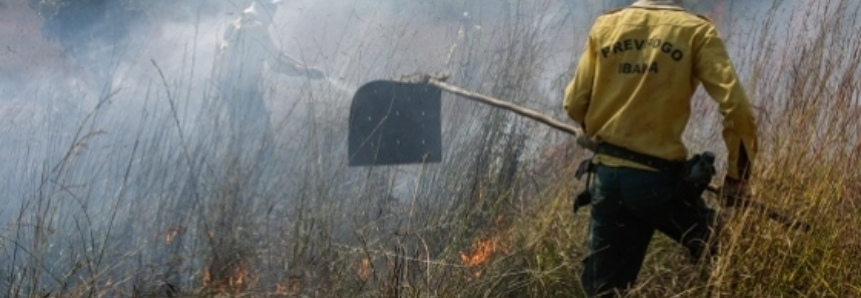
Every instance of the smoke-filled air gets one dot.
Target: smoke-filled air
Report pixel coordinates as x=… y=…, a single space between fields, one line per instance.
x=199 y=148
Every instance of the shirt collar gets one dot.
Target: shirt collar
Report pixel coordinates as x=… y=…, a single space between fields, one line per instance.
x=659 y=4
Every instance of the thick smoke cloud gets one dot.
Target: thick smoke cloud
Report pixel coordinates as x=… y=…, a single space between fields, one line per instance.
x=113 y=116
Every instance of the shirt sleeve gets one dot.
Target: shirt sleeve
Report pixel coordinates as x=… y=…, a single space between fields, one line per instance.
x=714 y=69
x=578 y=93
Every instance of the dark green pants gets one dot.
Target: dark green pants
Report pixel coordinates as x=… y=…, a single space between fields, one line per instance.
x=628 y=205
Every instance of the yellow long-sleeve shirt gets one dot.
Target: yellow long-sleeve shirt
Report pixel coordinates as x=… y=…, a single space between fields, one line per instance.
x=637 y=75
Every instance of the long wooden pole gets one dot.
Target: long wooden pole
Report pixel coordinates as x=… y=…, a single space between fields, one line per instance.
x=508 y=106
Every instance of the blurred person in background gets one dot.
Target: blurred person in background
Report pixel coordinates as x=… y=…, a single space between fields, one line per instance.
x=241 y=81
x=632 y=92
x=245 y=48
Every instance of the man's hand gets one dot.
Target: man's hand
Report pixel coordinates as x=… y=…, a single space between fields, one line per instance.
x=734 y=192
x=292 y=67
x=586 y=143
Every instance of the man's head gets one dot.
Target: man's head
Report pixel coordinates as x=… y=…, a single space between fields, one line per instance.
x=262 y=10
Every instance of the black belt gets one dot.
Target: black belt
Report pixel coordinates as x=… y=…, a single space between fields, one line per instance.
x=660 y=164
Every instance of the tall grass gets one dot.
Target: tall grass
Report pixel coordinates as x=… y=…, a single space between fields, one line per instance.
x=146 y=198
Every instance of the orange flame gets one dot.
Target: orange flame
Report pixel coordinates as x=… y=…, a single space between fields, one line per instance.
x=207 y=278
x=237 y=280
x=365 y=269
x=172 y=233
x=292 y=286
x=482 y=252
x=236 y=283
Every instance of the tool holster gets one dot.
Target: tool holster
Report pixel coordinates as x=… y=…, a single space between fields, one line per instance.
x=694 y=174
x=584 y=198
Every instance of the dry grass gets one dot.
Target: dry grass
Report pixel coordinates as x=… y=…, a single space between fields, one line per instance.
x=153 y=205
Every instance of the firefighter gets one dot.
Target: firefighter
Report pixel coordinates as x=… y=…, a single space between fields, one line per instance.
x=632 y=92
x=247 y=46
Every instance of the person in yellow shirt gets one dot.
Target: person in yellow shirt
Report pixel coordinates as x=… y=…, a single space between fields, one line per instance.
x=631 y=93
